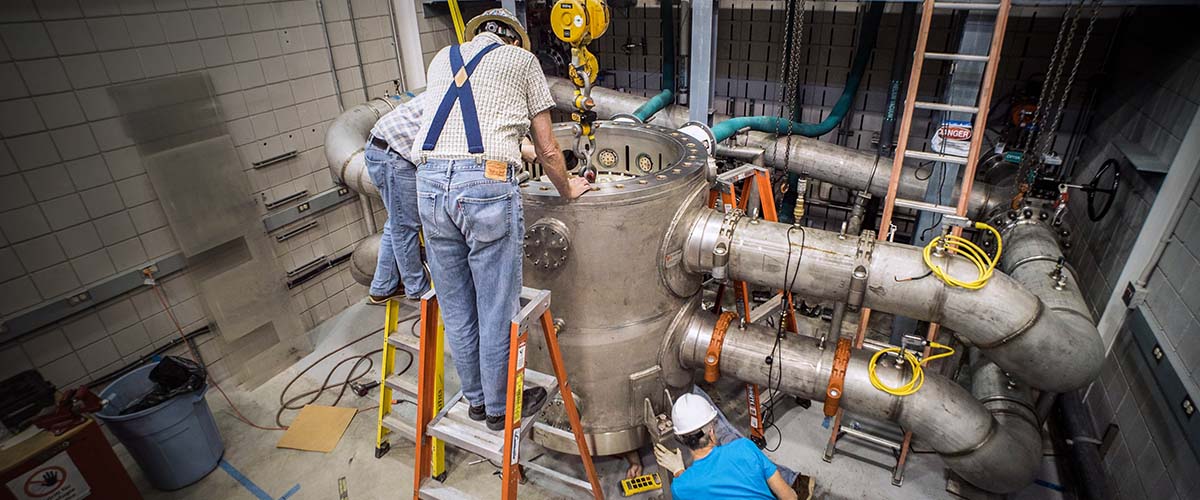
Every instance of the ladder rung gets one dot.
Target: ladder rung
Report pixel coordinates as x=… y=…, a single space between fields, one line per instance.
x=966 y=6
x=406 y=385
x=563 y=478
x=945 y=107
x=924 y=155
x=400 y=426
x=944 y=56
x=926 y=206
x=459 y=430
x=402 y=340
x=434 y=490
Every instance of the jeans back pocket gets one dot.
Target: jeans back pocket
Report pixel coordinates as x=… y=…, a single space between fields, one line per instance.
x=485 y=219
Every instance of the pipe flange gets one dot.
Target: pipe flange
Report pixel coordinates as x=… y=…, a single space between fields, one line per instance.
x=701 y=132
x=722 y=244
x=626 y=118
x=837 y=377
x=547 y=243
x=712 y=357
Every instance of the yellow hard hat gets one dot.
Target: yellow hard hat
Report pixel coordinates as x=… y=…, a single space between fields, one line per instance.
x=497 y=21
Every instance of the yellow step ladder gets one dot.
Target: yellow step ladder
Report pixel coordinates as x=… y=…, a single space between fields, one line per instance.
x=392 y=385
x=452 y=425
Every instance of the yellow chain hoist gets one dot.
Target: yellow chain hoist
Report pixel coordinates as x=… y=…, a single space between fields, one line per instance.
x=578 y=22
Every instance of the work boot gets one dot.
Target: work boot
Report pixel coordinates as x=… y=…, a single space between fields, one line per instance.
x=476 y=413
x=803 y=486
x=532 y=401
x=381 y=300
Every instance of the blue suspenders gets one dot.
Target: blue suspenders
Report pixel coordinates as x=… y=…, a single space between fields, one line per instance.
x=460 y=91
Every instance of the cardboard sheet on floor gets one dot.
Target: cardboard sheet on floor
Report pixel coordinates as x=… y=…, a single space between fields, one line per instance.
x=317 y=428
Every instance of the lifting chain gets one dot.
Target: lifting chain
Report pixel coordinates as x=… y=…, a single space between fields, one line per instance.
x=793 y=36
x=1037 y=140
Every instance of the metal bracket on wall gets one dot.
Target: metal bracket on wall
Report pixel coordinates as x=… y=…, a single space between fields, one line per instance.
x=1170 y=387
x=274 y=159
x=271 y=205
x=302 y=274
x=314 y=205
x=118 y=285
x=297 y=231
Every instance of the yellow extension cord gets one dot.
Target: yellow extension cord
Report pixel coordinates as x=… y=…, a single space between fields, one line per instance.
x=918 y=369
x=969 y=250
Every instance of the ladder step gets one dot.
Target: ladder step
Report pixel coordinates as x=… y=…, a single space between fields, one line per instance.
x=944 y=56
x=945 y=107
x=406 y=385
x=572 y=481
x=400 y=426
x=434 y=490
x=402 y=340
x=924 y=155
x=966 y=6
x=459 y=430
x=926 y=206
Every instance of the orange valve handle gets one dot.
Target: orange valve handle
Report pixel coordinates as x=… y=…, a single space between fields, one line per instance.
x=837 y=378
x=712 y=357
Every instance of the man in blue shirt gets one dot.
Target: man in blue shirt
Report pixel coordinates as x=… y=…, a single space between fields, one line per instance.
x=734 y=470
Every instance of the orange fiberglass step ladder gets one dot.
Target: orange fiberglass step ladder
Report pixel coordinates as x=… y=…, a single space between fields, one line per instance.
x=955 y=215
x=452 y=426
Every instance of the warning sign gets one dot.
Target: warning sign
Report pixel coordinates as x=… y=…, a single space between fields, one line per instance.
x=55 y=479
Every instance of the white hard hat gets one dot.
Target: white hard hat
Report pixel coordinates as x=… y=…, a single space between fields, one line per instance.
x=690 y=413
x=497 y=21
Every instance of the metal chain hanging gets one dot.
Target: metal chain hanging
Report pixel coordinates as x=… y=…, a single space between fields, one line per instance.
x=790 y=80
x=1048 y=137
x=1049 y=87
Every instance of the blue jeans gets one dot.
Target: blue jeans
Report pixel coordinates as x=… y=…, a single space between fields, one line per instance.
x=399 y=250
x=726 y=432
x=474 y=228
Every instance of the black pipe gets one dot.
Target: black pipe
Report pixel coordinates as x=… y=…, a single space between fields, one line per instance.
x=1075 y=423
x=899 y=72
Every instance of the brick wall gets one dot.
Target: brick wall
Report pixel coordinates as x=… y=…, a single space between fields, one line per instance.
x=76 y=205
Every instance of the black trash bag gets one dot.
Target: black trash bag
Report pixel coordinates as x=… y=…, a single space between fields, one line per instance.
x=172 y=377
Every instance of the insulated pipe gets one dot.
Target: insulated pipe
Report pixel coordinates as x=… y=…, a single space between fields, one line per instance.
x=999 y=454
x=344 y=143
x=850 y=168
x=1047 y=348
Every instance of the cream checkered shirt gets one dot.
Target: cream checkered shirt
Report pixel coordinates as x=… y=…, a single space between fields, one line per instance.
x=509 y=88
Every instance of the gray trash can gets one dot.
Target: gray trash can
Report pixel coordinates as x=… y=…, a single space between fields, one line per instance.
x=175 y=443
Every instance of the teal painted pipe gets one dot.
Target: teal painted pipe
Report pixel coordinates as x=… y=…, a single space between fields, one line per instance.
x=667 y=96
x=784 y=126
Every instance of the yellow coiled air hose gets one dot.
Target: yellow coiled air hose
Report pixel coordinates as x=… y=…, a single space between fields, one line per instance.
x=918 y=369
x=969 y=250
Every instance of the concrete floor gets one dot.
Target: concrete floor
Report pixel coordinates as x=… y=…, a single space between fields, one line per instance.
x=310 y=475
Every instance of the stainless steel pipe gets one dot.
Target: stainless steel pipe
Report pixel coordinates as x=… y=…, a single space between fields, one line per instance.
x=344 y=143
x=850 y=168
x=1043 y=344
x=997 y=451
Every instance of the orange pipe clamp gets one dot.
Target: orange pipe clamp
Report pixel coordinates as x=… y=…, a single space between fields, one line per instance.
x=837 y=378
x=712 y=357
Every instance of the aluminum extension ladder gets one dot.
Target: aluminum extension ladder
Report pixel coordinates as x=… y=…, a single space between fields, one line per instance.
x=756 y=182
x=969 y=162
x=452 y=425
x=392 y=384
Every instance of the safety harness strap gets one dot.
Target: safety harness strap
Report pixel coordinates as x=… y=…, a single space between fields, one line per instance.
x=459 y=91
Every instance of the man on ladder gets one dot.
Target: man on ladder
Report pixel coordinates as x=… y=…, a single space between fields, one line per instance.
x=486 y=94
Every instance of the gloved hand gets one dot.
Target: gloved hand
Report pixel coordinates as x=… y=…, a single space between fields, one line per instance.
x=669 y=459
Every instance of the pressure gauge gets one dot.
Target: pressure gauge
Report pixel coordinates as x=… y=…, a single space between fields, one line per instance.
x=608 y=158
x=644 y=163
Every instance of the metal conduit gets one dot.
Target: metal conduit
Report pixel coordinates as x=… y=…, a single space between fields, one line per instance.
x=1034 y=337
x=846 y=167
x=990 y=438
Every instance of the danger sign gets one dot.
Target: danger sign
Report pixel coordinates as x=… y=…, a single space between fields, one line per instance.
x=54 y=479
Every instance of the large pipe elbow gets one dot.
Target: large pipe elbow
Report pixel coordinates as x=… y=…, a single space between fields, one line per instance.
x=1014 y=327
x=988 y=435
x=344 y=144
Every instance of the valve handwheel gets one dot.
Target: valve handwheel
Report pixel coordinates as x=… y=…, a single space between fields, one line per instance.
x=1095 y=213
